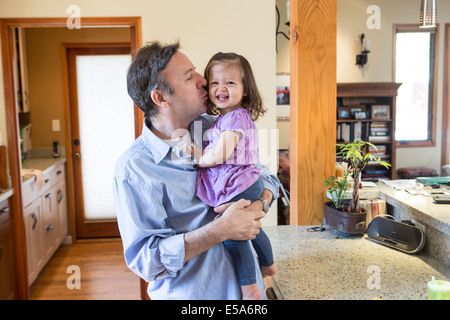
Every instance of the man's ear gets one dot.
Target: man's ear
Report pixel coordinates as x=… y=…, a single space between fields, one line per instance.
x=158 y=98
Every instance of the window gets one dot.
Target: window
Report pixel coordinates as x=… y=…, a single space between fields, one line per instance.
x=415 y=68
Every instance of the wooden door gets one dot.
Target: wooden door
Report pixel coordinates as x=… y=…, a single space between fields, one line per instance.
x=101 y=118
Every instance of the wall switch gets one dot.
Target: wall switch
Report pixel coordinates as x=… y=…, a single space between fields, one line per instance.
x=55 y=126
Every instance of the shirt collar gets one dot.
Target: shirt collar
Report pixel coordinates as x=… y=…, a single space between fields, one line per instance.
x=157 y=146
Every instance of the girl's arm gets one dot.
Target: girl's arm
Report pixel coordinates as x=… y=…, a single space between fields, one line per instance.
x=222 y=151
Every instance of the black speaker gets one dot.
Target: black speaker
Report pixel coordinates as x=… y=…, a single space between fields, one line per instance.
x=399 y=235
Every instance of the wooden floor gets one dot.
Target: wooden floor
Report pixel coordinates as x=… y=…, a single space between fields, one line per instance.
x=103 y=274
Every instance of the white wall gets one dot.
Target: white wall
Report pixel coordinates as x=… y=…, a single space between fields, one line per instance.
x=351 y=23
x=352 y=19
x=203 y=27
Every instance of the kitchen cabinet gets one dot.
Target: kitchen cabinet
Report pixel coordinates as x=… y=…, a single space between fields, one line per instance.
x=33 y=225
x=45 y=214
x=7 y=276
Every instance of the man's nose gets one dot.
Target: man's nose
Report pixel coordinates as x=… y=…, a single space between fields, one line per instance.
x=202 y=81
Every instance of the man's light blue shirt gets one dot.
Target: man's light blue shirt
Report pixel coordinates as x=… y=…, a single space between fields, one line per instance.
x=154 y=192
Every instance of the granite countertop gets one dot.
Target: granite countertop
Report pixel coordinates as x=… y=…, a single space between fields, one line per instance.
x=419 y=206
x=316 y=265
x=42 y=164
x=6 y=193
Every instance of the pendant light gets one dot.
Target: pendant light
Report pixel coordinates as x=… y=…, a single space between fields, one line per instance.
x=428 y=14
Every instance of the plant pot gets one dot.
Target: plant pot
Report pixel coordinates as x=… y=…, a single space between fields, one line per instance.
x=343 y=221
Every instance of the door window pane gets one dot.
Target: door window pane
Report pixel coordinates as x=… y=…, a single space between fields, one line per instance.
x=106 y=121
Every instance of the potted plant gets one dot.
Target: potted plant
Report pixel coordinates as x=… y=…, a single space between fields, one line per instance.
x=356 y=153
x=337 y=214
x=336 y=188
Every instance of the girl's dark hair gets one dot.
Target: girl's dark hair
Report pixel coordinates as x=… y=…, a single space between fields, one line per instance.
x=144 y=75
x=252 y=101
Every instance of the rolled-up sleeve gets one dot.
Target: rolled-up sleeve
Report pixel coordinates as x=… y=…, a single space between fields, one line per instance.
x=152 y=250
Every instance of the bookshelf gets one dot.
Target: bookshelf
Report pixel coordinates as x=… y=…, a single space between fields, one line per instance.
x=367 y=111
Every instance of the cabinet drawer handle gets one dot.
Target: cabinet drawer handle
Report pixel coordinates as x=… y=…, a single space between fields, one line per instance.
x=47 y=180
x=1 y=251
x=35 y=220
x=3 y=210
x=58 y=172
x=50 y=227
x=48 y=195
x=60 y=195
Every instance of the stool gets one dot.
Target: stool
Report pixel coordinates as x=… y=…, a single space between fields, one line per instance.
x=415 y=172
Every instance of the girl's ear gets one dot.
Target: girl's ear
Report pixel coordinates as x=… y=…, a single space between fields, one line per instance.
x=158 y=97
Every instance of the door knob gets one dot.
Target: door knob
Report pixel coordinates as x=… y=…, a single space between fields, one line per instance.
x=77 y=155
x=76 y=142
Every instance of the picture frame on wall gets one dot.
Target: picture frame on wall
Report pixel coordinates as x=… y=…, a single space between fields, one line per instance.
x=283 y=95
x=381 y=112
x=283 y=89
x=343 y=113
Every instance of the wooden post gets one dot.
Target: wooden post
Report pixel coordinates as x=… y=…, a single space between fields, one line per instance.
x=313 y=106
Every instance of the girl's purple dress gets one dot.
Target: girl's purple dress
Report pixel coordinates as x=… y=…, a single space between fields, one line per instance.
x=221 y=183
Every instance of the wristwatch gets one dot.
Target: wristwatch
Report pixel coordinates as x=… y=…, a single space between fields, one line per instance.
x=265 y=204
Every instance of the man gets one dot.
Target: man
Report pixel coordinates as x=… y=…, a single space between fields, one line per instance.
x=172 y=239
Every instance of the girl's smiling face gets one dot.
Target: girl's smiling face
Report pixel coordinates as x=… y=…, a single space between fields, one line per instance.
x=226 y=88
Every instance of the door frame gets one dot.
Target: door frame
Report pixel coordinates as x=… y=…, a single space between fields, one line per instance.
x=445 y=146
x=7 y=26
x=69 y=51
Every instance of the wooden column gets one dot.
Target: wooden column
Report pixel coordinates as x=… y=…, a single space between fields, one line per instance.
x=313 y=106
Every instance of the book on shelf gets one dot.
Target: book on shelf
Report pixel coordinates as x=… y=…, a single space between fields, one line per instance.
x=348 y=132
x=379 y=124
x=379 y=139
x=379 y=131
x=380 y=172
x=379 y=149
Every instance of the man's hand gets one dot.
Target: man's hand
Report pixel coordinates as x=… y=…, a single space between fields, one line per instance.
x=237 y=222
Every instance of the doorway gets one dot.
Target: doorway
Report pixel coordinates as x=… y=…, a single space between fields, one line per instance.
x=7 y=30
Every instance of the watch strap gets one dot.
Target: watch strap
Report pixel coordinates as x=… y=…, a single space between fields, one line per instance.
x=265 y=204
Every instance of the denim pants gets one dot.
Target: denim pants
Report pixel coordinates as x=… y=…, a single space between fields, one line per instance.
x=241 y=251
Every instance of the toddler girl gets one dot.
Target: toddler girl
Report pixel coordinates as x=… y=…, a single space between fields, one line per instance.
x=227 y=168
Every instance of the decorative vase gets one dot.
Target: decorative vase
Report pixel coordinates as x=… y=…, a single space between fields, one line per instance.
x=344 y=221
